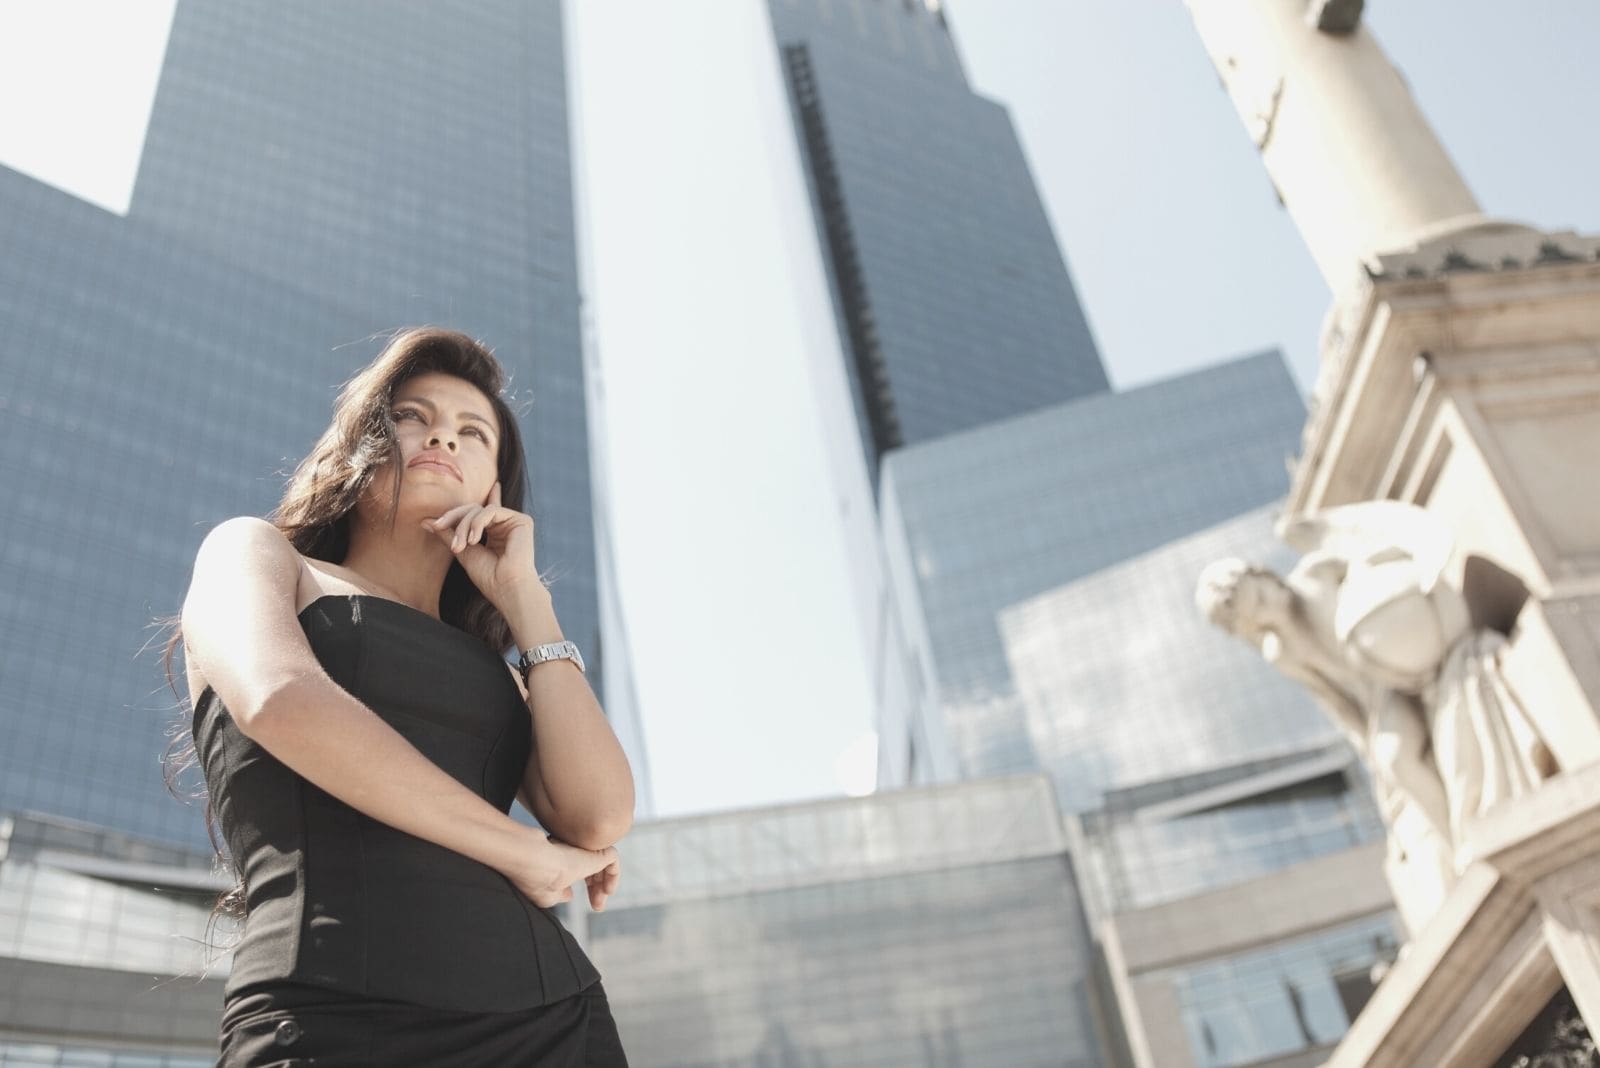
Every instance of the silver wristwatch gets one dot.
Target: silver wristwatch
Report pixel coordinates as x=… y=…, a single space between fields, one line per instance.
x=552 y=651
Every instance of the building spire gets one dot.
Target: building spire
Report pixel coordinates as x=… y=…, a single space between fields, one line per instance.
x=1353 y=159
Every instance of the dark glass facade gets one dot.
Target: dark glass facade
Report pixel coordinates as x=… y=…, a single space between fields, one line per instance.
x=953 y=303
x=314 y=176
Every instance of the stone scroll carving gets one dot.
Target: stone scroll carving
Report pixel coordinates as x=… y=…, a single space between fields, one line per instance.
x=1401 y=661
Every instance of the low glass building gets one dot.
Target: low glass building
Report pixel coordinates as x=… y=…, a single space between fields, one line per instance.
x=106 y=955
x=930 y=927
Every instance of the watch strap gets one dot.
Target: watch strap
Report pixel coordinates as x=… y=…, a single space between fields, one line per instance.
x=564 y=650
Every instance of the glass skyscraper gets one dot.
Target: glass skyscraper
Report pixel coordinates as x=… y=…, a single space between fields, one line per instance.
x=314 y=176
x=943 y=299
x=952 y=301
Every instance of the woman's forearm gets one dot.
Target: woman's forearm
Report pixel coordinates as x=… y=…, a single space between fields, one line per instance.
x=320 y=731
x=582 y=768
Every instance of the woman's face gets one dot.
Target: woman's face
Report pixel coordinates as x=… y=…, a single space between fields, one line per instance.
x=449 y=442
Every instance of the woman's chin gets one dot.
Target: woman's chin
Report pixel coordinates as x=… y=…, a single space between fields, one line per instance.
x=428 y=499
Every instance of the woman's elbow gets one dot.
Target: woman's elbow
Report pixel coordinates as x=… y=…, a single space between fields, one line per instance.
x=261 y=713
x=603 y=830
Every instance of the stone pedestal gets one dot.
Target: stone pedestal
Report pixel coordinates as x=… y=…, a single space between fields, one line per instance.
x=1464 y=378
x=1523 y=920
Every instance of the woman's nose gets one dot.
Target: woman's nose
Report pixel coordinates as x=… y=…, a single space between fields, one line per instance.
x=438 y=438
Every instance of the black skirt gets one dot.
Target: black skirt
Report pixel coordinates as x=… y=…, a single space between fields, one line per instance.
x=290 y=1025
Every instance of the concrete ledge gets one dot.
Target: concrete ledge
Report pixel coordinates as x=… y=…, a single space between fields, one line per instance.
x=1307 y=897
x=63 y=1004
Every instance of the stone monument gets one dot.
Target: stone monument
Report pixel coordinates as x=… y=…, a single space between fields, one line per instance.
x=1446 y=612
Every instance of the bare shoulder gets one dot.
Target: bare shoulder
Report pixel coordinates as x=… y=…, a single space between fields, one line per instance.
x=247 y=554
x=245 y=541
x=242 y=554
x=245 y=569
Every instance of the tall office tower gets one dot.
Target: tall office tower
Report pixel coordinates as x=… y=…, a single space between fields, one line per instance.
x=978 y=521
x=313 y=175
x=953 y=305
x=946 y=300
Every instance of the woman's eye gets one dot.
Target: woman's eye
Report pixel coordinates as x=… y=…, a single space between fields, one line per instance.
x=404 y=412
x=481 y=435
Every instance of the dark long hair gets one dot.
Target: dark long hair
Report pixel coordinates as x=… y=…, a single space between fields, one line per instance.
x=314 y=512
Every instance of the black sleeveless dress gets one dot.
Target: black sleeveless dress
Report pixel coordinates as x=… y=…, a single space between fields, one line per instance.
x=363 y=945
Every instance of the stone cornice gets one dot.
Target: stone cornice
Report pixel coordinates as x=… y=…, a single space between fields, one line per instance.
x=1485 y=285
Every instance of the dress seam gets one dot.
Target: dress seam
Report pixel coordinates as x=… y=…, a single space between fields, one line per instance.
x=363 y=638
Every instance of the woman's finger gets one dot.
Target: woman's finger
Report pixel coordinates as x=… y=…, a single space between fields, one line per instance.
x=599 y=890
x=444 y=525
x=607 y=877
x=464 y=528
x=451 y=516
x=484 y=520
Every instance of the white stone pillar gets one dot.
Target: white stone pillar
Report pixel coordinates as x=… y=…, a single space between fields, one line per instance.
x=1350 y=153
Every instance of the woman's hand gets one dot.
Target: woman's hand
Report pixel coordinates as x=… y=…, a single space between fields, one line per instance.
x=546 y=872
x=493 y=543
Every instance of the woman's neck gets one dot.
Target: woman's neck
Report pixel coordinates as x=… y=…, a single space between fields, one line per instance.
x=407 y=563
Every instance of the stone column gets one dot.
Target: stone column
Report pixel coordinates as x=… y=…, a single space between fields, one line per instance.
x=1352 y=157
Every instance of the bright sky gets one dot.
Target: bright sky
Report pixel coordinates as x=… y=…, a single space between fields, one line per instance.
x=74 y=105
x=725 y=531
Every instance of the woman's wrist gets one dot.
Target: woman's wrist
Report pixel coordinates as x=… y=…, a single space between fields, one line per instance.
x=531 y=614
x=514 y=847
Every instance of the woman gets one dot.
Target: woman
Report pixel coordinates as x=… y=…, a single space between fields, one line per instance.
x=362 y=740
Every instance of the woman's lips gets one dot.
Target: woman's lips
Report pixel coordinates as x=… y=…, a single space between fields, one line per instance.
x=437 y=466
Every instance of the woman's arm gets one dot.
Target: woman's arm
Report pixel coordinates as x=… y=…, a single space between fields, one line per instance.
x=241 y=628
x=578 y=783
